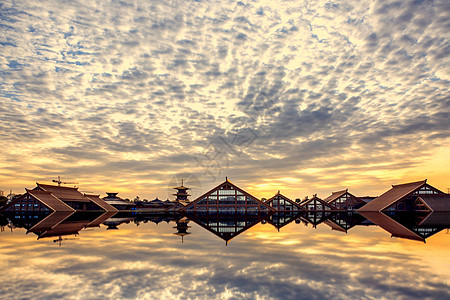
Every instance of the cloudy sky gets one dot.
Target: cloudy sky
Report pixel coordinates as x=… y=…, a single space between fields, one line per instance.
x=303 y=96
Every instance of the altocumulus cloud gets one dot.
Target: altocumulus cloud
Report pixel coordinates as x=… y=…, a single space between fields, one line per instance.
x=87 y=85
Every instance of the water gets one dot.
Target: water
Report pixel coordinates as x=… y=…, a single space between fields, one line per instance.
x=146 y=260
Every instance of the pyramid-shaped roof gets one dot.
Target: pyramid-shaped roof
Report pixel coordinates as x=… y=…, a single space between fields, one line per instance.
x=278 y=196
x=227 y=190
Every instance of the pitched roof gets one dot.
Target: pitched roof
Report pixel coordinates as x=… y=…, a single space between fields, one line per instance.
x=100 y=202
x=64 y=193
x=315 y=198
x=391 y=226
x=437 y=202
x=334 y=196
x=223 y=184
x=296 y=205
x=394 y=194
x=48 y=199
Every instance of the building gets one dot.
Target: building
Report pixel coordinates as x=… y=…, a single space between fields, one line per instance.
x=315 y=204
x=182 y=194
x=119 y=203
x=343 y=201
x=410 y=197
x=227 y=198
x=283 y=203
x=227 y=210
x=57 y=198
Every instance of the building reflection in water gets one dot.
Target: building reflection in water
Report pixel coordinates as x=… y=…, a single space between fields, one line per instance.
x=410 y=225
x=227 y=225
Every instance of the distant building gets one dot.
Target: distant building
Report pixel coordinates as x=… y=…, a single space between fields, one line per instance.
x=343 y=200
x=414 y=196
x=119 y=203
x=182 y=194
x=283 y=203
x=316 y=204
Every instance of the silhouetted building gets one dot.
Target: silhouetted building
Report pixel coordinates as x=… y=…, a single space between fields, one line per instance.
x=182 y=194
x=405 y=197
x=343 y=200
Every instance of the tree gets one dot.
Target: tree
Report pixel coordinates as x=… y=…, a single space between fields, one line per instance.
x=3 y=201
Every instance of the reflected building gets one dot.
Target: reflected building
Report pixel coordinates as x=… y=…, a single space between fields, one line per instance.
x=410 y=225
x=315 y=217
x=344 y=221
x=58 y=223
x=282 y=218
x=182 y=228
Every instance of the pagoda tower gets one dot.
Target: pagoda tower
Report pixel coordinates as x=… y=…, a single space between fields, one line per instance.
x=182 y=194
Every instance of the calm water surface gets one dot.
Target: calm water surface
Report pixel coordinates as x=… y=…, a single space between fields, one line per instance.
x=149 y=261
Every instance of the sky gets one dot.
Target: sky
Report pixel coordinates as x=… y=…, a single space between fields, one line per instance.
x=299 y=96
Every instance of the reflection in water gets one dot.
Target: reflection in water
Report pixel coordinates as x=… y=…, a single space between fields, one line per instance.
x=410 y=225
x=138 y=260
x=154 y=255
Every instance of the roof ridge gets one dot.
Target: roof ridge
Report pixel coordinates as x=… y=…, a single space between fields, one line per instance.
x=409 y=183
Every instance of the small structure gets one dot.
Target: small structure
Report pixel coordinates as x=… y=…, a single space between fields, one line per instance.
x=405 y=197
x=119 y=203
x=182 y=228
x=182 y=194
x=283 y=203
x=344 y=201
